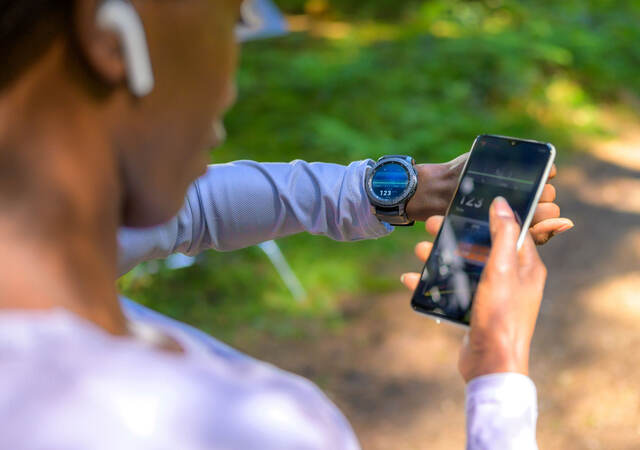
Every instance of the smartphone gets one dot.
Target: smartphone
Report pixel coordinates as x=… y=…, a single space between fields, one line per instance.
x=515 y=169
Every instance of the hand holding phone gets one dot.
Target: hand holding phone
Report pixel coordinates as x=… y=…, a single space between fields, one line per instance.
x=507 y=300
x=513 y=168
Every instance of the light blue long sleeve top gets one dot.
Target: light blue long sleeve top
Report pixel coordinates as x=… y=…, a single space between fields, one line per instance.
x=243 y=203
x=65 y=383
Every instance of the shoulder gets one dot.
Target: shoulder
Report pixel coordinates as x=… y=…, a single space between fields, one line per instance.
x=96 y=391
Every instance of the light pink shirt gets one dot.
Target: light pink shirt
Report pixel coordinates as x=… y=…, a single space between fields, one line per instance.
x=66 y=384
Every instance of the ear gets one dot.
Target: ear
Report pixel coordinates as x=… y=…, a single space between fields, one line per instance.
x=100 y=47
x=112 y=36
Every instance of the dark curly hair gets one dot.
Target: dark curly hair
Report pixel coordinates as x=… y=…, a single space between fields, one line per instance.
x=22 y=34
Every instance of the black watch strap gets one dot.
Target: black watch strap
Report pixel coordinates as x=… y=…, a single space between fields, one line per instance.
x=396 y=216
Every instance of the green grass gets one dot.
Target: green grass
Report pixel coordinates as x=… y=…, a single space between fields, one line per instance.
x=422 y=81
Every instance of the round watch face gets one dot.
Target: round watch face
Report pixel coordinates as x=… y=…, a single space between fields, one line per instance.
x=389 y=181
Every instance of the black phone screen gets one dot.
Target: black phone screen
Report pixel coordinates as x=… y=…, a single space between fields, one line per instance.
x=497 y=166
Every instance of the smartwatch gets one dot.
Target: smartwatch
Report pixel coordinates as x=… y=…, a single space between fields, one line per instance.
x=390 y=184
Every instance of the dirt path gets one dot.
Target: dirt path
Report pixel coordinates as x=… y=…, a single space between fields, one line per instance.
x=394 y=373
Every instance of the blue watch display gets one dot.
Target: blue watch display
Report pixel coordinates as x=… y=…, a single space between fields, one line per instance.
x=390 y=181
x=390 y=184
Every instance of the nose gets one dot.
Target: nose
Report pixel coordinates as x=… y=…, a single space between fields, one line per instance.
x=231 y=96
x=219 y=132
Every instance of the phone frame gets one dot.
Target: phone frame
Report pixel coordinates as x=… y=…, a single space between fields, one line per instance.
x=525 y=224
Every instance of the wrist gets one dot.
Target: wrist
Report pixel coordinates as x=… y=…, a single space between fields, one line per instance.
x=436 y=186
x=413 y=207
x=494 y=360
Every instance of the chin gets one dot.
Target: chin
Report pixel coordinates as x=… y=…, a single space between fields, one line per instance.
x=149 y=214
x=154 y=200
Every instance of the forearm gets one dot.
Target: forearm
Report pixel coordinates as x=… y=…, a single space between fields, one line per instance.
x=501 y=413
x=243 y=203
x=247 y=202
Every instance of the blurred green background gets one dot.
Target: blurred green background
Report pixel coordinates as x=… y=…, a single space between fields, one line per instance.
x=362 y=79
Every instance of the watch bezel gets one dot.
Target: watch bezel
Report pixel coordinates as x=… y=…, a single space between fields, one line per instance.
x=406 y=193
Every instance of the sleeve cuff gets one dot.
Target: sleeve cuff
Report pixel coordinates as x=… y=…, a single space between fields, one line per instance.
x=371 y=224
x=501 y=409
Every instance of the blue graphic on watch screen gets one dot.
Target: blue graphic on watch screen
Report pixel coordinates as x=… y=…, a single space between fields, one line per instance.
x=389 y=181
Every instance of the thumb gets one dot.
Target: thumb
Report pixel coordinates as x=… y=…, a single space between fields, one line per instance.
x=504 y=237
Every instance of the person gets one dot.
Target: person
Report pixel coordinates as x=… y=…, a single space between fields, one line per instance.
x=90 y=141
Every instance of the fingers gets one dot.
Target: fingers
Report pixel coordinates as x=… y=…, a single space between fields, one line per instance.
x=423 y=250
x=410 y=280
x=459 y=161
x=545 y=230
x=545 y=211
x=528 y=256
x=504 y=236
x=533 y=273
x=433 y=224
x=548 y=194
x=553 y=172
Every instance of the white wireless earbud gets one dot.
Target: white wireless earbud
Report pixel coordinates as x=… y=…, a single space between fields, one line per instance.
x=121 y=17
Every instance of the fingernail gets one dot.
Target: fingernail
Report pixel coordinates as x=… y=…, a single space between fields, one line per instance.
x=502 y=207
x=564 y=228
x=402 y=277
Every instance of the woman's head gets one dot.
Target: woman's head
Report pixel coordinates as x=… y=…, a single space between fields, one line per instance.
x=159 y=141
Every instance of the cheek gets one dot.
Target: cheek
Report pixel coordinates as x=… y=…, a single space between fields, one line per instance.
x=200 y=50
x=193 y=56
x=194 y=79
x=215 y=67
